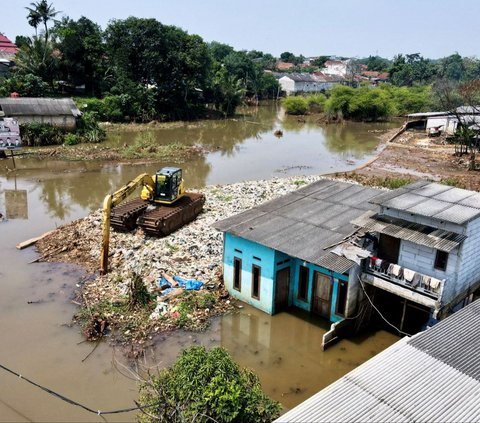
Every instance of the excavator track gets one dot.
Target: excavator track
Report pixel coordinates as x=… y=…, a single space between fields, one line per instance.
x=124 y=216
x=165 y=219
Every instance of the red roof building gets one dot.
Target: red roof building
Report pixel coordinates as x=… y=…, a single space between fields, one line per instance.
x=6 y=46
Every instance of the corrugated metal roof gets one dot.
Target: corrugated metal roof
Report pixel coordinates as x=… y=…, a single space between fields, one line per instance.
x=414 y=232
x=455 y=341
x=305 y=223
x=29 y=106
x=432 y=377
x=440 y=202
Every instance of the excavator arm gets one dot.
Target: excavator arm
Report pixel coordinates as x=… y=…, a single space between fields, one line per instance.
x=112 y=200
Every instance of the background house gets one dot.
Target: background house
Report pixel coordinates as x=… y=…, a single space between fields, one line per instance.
x=336 y=67
x=8 y=50
x=61 y=112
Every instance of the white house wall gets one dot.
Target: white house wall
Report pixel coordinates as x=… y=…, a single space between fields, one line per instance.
x=287 y=84
x=469 y=261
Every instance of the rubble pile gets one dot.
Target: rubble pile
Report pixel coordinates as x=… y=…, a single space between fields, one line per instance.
x=194 y=251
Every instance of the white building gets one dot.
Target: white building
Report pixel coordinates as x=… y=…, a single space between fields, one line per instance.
x=294 y=83
x=336 y=67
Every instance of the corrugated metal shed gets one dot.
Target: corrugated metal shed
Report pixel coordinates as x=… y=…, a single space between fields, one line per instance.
x=432 y=377
x=305 y=223
x=414 y=232
x=440 y=202
x=29 y=106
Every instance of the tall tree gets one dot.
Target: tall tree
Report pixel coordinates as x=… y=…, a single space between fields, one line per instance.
x=41 y=12
x=82 y=53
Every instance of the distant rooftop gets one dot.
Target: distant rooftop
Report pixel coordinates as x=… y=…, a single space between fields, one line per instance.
x=306 y=223
x=7 y=46
x=437 y=201
x=431 y=377
x=30 y=106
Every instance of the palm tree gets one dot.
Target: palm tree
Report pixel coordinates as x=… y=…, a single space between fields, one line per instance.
x=41 y=12
x=34 y=19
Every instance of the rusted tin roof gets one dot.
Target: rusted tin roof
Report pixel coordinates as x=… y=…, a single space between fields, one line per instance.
x=436 y=201
x=30 y=106
x=306 y=223
x=408 y=231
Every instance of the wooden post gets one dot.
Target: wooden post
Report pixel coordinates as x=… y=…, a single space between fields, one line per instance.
x=13 y=159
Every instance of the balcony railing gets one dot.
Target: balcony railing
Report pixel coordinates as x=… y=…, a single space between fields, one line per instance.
x=406 y=278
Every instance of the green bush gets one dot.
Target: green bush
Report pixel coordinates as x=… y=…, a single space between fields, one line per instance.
x=37 y=134
x=205 y=386
x=295 y=105
x=71 y=139
x=316 y=102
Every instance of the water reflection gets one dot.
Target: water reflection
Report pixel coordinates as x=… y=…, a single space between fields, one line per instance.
x=16 y=204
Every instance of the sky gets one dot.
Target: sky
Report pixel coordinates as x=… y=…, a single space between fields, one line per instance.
x=352 y=28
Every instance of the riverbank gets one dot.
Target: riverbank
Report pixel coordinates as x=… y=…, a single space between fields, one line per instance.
x=192 y=252
x=412 y=156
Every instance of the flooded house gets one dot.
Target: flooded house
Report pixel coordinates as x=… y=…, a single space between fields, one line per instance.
x=60 y=112
x=425 y=261
x=447 y=121
x=282 y=253
x=328 y=246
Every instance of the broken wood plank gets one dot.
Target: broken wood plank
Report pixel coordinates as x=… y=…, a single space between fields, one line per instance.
x=32 y=241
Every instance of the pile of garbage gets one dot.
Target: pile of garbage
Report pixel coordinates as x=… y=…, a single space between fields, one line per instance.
x=192 y=253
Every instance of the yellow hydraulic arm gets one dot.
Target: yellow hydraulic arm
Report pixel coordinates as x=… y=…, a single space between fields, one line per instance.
x=112 y=200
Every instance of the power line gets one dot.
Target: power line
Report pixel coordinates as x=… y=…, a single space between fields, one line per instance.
x=378 y=311
x=70 y=401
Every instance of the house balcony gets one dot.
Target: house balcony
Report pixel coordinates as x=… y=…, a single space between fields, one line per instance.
x=405 y=283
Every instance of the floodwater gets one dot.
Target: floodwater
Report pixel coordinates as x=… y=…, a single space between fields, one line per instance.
x=37 y=339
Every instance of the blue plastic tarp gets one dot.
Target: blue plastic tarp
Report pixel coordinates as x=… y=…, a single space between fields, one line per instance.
x=188 y=284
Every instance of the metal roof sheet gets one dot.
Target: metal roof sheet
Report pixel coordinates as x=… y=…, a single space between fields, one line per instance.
x=432 y=377
x=433 y=200
x=28 y=106
x=413 y=232
x=304 y=223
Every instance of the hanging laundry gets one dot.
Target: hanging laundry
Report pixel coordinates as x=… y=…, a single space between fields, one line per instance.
x=390 y=269
x=396 y=270
x=408 y=274
x=434 y=283
x=426 y=281
x=373 y=259
x=385 y=265
x=417 y=278
x=378 y=262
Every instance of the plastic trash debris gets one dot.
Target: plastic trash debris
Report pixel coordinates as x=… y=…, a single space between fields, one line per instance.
x=188 y=284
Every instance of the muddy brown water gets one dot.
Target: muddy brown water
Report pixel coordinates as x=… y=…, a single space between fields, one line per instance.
x=37 y=339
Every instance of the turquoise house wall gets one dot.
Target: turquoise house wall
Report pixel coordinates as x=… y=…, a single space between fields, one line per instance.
x=250 y=253
x=307 y=305
x=270 y=262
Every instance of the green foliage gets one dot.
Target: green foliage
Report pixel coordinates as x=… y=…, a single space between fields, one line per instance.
x=320 y=61
x=71 y=139
x=291 y=58
x=138 y=292
x=376 y=63
x=412 y=69
x=316 y=102
x=27 y=85
x=37 y=134
x=89 y=129
x=204 y=385
x=295 y=105
x=228 y=92
x=371 y=104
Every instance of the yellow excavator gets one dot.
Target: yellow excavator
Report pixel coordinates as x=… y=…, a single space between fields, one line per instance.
x=162 y=208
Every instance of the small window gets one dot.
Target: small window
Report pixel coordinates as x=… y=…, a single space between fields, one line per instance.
x=303 y=283
x=256 y=282
x=237 y=274
x=441 y=260
x=341 y=298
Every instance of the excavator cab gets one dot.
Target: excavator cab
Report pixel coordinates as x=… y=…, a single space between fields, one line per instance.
x=168 y=185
